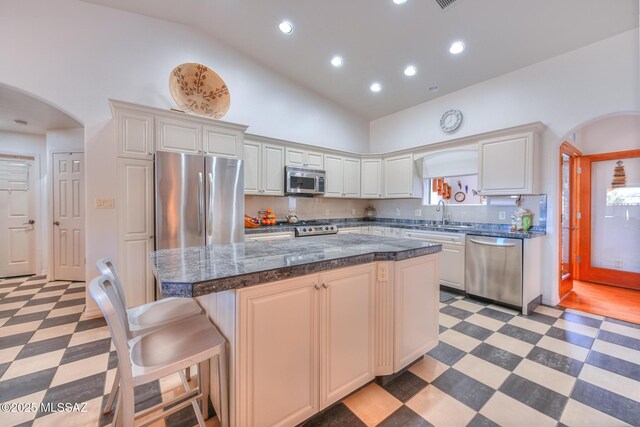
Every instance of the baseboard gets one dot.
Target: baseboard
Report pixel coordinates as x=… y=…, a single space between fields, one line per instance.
x=531 y=306
x=91 y=314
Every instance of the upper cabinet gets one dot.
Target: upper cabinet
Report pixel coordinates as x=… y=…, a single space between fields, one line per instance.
x=343 y=176
x=506 y=165
x=371 y=182
x=135 y=134
x=401 y=179
x=222 y=142
x=304 y=158
x=178 y=135
x=263 y=168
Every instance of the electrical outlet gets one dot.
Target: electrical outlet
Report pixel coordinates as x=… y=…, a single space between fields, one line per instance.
x=353 y=211
x=418 y=212
x=617 y=263
x=502 y=215
x=326 y=212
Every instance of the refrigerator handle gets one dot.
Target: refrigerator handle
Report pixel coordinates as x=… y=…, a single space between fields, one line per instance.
x=200 y=200
x=210 y=207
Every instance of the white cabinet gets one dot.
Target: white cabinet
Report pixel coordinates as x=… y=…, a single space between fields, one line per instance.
x=255 y=237
x=346 y=331
x=371 y=181
x=136 y=229
x=178 y=135
x=343 y=176
x=263 y=169
x=222 y=142
x=304 y=158
x=296 y=355
x=416 y=294
x=452 y=257
x=401 y=179
x=506 y=165
x=349 y=230
x=278 y=352
x=135 y=134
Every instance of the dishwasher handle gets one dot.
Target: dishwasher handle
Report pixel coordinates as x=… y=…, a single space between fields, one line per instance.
x=505 y=245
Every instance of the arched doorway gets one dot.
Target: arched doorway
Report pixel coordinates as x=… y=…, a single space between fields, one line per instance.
x=41 y=189
x=600 y=217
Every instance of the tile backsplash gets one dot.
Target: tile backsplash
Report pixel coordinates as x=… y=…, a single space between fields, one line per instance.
x=326 y=208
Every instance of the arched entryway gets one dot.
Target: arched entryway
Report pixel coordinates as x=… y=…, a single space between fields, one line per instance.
x=600 y=217
x=41 y=188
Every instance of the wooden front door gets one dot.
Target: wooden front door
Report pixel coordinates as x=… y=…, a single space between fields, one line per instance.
x=610 y=224
x=568 y=216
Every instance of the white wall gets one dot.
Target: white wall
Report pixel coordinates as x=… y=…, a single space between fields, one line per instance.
x=33 y=145
x=77 y=55
x=563 y=93
x=609 y=134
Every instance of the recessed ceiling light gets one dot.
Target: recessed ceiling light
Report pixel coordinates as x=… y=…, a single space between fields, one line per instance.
x=20 y=122
x=375 y=87
x=410 y=71
x=399 y=1
x=286 y=27
x=456 y=48
x=434 y=88
x=336 y=61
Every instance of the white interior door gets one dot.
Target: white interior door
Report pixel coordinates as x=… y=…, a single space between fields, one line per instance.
x=68 y=216
x=17 y=218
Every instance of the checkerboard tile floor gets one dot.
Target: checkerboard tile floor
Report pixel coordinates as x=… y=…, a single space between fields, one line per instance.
x=492 y=367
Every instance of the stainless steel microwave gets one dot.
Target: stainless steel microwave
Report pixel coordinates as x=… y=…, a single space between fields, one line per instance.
x=303 y=181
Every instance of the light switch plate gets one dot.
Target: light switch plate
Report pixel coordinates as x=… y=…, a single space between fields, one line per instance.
x=418 y=212
x=105 y=203
x=502 y=215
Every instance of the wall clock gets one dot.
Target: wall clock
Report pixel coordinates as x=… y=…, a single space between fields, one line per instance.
x=451 y=120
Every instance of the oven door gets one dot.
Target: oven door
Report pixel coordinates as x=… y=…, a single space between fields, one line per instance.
x=302 y=182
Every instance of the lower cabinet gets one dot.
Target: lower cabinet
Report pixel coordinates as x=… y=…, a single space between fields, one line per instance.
x=350 y=230
x=303 y=344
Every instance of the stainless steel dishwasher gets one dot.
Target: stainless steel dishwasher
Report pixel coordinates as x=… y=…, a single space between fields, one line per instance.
x=493 y=269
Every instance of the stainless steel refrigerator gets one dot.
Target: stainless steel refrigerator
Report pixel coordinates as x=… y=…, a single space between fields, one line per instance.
x=199 y=200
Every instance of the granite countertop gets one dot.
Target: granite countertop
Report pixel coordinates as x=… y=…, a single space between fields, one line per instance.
x=489 y=230
x=201 y=270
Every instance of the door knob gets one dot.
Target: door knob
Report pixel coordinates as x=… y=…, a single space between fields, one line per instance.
x=30 y=222
x=56 y=222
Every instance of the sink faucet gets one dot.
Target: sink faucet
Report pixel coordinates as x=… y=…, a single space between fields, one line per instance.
x=443 y=208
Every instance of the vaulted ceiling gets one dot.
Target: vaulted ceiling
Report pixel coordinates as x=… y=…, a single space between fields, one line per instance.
x=377 y=39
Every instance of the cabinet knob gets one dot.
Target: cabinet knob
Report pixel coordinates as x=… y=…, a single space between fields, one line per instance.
x=317 y=286
x=324 y=285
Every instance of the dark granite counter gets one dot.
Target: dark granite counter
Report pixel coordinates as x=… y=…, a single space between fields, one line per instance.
x=478 y=229
x=201 y=270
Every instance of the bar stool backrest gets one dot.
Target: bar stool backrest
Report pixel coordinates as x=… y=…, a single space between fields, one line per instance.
x=106 y=266
x=103 y=292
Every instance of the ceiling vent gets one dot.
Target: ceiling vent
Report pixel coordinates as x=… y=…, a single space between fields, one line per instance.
x=445 y=3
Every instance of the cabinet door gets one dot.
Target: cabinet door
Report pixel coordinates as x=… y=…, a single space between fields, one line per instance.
x=398 y=176
x=334 y=183
x=278 y=353
x=452 y=266
x=295 y=157
x=346 y=331
x=371 y=178
x=135 y=135
x=416 y=308
x=135 y=229
x=314 y=160
x=272 y=170
x=177 y=135
x=351 y=177
x=506 y=165
x=252 y=167
x=223 y=143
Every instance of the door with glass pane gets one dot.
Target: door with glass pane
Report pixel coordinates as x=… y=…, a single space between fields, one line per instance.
x=610 y=235
x=568 y=214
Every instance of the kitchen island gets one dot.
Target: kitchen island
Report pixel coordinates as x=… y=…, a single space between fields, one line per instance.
x=309 y=320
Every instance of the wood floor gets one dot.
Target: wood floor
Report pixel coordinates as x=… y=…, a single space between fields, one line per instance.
x=610 y=301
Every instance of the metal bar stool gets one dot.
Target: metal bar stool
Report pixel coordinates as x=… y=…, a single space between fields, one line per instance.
x=145 y=318
x=160 y=353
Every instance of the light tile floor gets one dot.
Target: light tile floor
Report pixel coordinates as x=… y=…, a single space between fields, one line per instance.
x=492 y=367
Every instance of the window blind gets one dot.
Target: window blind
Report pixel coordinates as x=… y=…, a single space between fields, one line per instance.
x=14 y=175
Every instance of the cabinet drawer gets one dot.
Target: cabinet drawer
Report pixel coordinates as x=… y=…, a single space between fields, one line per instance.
x=435 y=237
x=269 y=236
